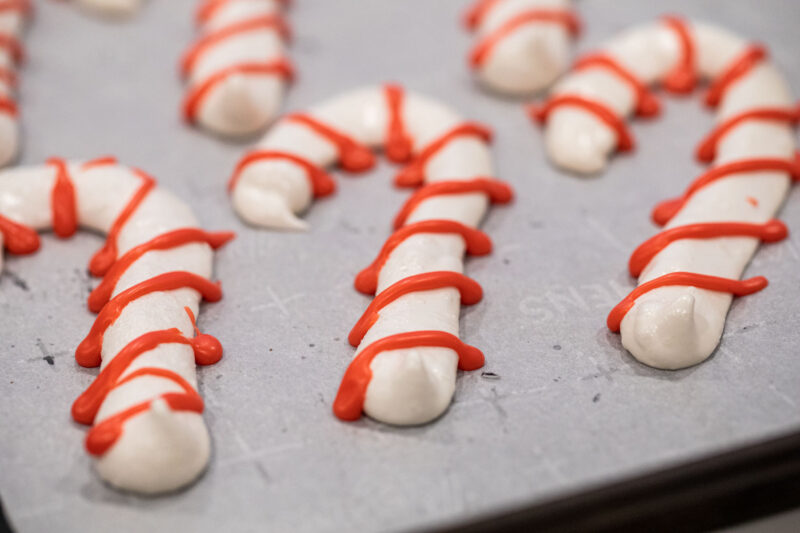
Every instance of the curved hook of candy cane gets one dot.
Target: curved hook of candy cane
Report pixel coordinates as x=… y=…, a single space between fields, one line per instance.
x=675 y=317
x=236 y=71
x=112 y=8
x=521 y=46
x=148 y=435
x=409 y=376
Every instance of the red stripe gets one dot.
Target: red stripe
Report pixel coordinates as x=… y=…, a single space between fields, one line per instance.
x=18 y=238
x=682 y=78
x=414 y=173
x=63 y=201
x=398 y=143
x=562 y=17
x=349 y=400
x=477 y=13
x=477 y=243
x=647 y=105
x=197 y=93
x=625 y=141
x=321 y=183
x=691 y=279
x=738 y=68
x=471 y=293
x=353 y=155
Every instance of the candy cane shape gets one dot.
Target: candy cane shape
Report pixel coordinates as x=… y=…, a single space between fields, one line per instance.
x=522 y=45
x=689 y=273
x=404 y=369
x=237 y=69
x=13 y=17
x=147 y=432
x=112 y=8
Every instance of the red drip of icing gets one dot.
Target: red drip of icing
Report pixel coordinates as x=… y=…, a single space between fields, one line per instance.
x=414 y=173
x=497 y=191
x=471 y=293
x=701 y=281
x=197 y=93
x=88 y=353
x=103 y=259
x=667 y=209
x=173 y=239
x=210 y=40
x=682 y=78
x=8 y=106
x=209 y=8
x=353 y=155
x=18 y=239
x=350 y=398
x=398 y=145
x=647 y=105
x=771 y=231
x=63 y=201
x=743 y=64
x=476 y=13
x=605 y=114
x=477 y=243
x=707 y=149
x=562 y=17
x=321 y=183
x=12 y=46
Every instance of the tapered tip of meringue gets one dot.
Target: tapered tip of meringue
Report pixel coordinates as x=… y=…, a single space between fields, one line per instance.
x=666 y=335
x=159 y=451
x=266 y=208
x=408 y=387
x=577 y=142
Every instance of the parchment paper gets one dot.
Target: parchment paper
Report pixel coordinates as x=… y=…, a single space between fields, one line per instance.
x=570 y=408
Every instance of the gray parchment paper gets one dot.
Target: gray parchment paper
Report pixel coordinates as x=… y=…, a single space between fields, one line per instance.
x=570 y=409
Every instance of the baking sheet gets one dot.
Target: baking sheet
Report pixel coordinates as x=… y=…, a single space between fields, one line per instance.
x=570 y=408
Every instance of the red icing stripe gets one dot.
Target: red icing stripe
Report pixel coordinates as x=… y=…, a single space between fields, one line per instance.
x=63 y=201
x=8 y=106
x=497 y=191
x=682 y=78
x=471 y=293
x=12 y=46
x=701 y=281
x=103 y=259
x=353 y=155
x=88 y=352
x=664 y=211
x=166 y=241
x=350 y=398
x=562 y=17
x=198 y=92
x=22 y=6
x=99 y=162
x=321 y=183
x=605 y=114
x=647 y=105
x=414 y=173
x=476 y=13
x=739 y=67
x=210 y=40
x=707 y=149
x=771 y=231
x=17 y=238
x=477 y=243
x=398 y=144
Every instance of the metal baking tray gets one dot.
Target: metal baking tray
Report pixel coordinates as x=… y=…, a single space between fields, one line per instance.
x=570 y=409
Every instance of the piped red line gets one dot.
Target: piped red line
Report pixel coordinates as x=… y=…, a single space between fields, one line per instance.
x=321 y=182
x=354 y=156
x=682 y=77
x=739 y=67
x=63 y=201
x=647 y=105
x=398 y=145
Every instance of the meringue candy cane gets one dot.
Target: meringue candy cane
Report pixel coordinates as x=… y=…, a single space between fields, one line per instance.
x=112 y=8
x=237 y=69
x=689 y=273
x=148 y=435
x=522 y=45
x=404 y=369
x=13 y=17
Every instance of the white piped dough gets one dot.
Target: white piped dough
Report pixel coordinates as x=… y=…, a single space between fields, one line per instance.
x=676 y=327
x=532 y=56
x=160 y=450
x=409 y=386
x=13 y=19
x=240 y=103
